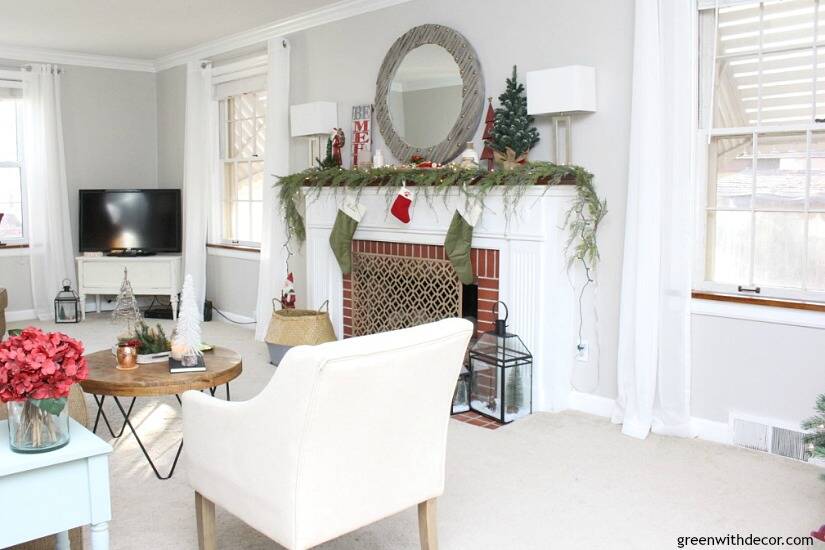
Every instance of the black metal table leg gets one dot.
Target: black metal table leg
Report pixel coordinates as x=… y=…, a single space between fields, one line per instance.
x=128 y=422
x=101 y=414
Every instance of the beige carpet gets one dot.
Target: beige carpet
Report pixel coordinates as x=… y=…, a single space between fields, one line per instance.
x=556 y=481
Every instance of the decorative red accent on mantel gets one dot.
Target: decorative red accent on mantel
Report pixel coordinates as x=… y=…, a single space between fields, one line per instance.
x=485 y=267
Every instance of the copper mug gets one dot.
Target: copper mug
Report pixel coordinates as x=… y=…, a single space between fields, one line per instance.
x=126 y=357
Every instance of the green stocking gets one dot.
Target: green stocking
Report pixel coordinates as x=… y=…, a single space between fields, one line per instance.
x=340 y=240
x=457 y=247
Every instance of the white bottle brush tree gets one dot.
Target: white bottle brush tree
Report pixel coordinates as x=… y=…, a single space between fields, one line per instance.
x=187 y=340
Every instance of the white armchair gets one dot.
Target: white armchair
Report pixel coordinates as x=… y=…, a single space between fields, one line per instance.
x=345 y=434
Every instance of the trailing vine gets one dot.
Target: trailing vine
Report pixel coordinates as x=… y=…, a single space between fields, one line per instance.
x=581 y=222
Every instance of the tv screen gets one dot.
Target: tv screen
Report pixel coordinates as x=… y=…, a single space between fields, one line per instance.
x=134 y=219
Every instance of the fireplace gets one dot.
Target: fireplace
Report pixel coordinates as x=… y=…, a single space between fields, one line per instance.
x=518 y=257
x=399 y=285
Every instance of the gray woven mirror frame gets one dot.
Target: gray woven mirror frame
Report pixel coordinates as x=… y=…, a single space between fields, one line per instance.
x=472 y=94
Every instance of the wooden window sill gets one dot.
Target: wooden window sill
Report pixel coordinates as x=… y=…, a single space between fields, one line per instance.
x=238 y=248
x=8 y=246
x=753 y=300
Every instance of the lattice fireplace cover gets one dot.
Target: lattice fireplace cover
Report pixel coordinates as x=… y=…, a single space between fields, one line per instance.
x=394 y=292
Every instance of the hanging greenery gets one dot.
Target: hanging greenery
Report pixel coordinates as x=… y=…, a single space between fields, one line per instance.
x=582 y=219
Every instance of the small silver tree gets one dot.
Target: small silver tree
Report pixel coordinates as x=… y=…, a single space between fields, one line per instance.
x=126 y=307
x=186 y=343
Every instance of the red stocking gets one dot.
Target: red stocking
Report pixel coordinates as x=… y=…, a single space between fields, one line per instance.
x=401 y=205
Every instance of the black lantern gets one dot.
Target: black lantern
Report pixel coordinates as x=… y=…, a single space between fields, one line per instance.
x=501 y=374
x=67 y=305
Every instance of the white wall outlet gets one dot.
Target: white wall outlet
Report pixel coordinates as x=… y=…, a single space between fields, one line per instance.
x=583 y=351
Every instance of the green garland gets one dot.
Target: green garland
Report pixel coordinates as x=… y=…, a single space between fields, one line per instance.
x=582 y=219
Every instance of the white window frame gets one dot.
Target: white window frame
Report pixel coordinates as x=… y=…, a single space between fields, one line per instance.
x=7 y=80
x=708 y=58
x=223 y=117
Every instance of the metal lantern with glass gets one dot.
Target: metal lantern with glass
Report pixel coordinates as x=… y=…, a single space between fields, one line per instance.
x=66 y=304
x=501 y=381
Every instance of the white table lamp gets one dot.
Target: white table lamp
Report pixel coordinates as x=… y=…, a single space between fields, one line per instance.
x=562 y=91
x=313 y=120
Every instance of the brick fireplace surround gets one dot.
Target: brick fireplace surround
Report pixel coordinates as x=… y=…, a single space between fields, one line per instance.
x=485 y=267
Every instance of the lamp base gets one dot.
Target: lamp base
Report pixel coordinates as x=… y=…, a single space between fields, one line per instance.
x=562 y=133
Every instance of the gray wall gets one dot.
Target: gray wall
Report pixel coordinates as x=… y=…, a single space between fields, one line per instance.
x=232 y=284
x=109 y=131
x=15 y=277
x=767 y=370
x=171 y=87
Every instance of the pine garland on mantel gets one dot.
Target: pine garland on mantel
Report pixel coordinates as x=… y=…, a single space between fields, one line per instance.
x=582 y=220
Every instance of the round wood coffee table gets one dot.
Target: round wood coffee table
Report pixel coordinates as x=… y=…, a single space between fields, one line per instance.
x=154 y=380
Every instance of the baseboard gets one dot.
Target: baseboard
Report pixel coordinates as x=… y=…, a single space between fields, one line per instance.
x=590 y=403
x=711 y=430
x=702 y=428
x=20 y=315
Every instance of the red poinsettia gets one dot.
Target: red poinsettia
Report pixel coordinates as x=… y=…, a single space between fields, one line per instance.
x=40 y=365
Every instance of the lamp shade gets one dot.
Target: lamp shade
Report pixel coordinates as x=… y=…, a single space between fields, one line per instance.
x=570 y=89
x=311 y=119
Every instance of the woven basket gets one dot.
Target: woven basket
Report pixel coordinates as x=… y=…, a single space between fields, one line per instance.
x=298 y=327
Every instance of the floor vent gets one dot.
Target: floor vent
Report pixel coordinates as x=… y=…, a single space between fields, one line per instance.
x=788 y=443
x=752 y=435
x=763 y=436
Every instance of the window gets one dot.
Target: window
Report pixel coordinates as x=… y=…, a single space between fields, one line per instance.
x=763 y=110
x=12 y=204
x=243 y=134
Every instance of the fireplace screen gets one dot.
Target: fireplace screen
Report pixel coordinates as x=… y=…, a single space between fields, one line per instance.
x=394 y=292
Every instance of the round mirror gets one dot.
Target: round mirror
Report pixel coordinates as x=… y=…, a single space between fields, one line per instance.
x=424 y=96
x=429 y=94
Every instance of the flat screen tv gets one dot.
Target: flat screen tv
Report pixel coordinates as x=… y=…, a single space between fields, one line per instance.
x=134 y=221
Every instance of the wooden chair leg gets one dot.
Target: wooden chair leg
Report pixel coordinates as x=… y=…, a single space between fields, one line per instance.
x=426 y=525
x=205 y=515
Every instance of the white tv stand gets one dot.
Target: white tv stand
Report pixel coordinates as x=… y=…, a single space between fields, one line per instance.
x=149 y=275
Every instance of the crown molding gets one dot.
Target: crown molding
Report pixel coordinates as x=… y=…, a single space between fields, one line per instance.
x=42 y=55
x=321 y=16
x=334 y=12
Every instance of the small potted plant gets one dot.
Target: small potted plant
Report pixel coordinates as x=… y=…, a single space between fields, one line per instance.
x=36 y=371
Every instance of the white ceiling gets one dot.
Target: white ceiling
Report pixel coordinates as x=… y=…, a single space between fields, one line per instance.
x=140 y=29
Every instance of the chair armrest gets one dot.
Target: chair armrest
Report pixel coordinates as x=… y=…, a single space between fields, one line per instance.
x=212 y=430
x=234 y=457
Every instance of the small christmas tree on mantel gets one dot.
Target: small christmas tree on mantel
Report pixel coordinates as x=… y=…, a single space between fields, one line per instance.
x=186 y=342
x=513 y=133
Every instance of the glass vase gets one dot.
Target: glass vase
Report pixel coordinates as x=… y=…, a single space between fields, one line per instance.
x=38 y=425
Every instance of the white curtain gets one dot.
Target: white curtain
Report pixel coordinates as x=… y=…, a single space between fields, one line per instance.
x=200 y=159
x=654 y=321
x=44 y=168
x=273 y=254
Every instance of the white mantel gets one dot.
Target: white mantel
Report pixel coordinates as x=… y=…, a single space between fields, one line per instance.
x=533 y=279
